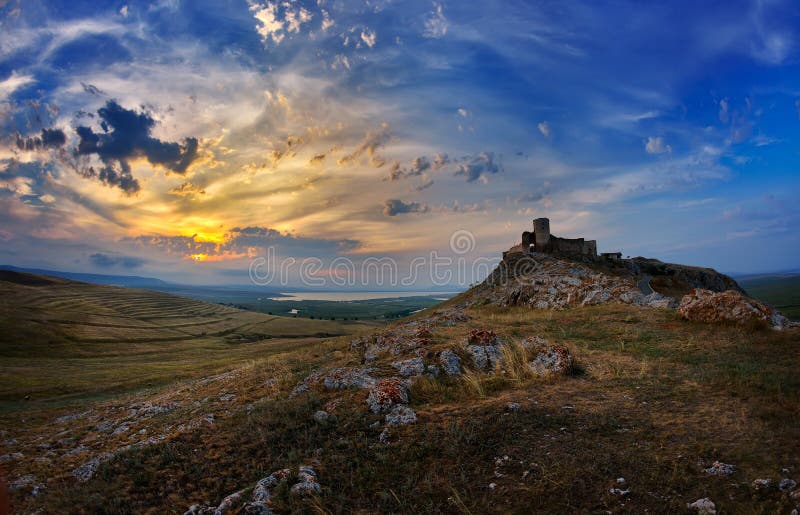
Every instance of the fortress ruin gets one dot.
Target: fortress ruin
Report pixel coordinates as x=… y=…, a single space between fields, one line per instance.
x=540 y=241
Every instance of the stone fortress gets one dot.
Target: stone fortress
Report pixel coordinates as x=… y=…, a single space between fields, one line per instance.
x=540 y=241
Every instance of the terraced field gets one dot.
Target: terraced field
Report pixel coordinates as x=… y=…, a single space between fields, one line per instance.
x=64 y=341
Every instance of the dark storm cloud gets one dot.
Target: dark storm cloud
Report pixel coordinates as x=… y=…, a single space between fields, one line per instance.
x=113 y=260
x=50 y=138
x=126 y=135
x=479 y=165
x=394 y=207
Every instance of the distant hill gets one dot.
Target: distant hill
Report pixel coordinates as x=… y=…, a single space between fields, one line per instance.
x=131 y=281
x=779 y=290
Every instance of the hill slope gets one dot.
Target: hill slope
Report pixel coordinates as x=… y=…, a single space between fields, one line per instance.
x=65 y=340
x=470 y=407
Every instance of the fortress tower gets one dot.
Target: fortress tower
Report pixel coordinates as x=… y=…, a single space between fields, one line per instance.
x=541 y=234
x=542 y=242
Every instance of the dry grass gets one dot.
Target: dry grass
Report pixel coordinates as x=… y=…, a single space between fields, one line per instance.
x=655 y=399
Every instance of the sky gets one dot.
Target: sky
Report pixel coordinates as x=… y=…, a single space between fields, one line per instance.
x=187 y=140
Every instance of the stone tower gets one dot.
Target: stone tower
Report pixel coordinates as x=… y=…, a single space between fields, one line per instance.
x=541 y=233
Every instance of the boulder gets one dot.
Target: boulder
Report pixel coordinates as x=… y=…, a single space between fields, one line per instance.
x=401 y=415
x=485 y=358
x=728 y=306
x=550 y=360
x=345 y=377
x=451 y=363
x=720 y=469
x=703 y=506
x=410 y=367
x=387 y=393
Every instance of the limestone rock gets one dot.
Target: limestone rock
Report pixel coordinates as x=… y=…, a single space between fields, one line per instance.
x=451 y=363
x=728 y=306
x=720 y=469
x=387 y=393
x=485 y=358
x=401 y=415
x=410 y=367
x=551 y=360
x=703 y=506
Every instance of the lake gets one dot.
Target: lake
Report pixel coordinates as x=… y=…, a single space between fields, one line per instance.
x=345 y=296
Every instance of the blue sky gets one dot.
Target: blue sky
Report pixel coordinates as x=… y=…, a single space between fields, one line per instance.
x=180 y=138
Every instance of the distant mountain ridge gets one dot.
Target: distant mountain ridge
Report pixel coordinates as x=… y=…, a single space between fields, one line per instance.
x=132 y=281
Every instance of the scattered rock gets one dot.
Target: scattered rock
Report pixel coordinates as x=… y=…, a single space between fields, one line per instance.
x=485 y=358
x=307 y=483
x=703 y=506
x=787 y=485
x=762 y=485
x=228 y=503
x=345 y=377
x=384 y=436
x=410 y=367
x=87 y=470
x=322 y=416
x=482 y=337
x=720 y=469
x=11 y=457
x=401 y=415
x=551 y=360
x=387 y=393
x=512 y=406
x=451 y=363
x=728 y=306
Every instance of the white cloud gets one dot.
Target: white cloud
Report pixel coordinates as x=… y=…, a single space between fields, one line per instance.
x=269 y=27
x=295 y=18
x=545 y=129
x=369 y=37
x=327 y=21
x=124 y=11
x=464 y=113
x=436 y=24
x=13 y=83
x=656 y=145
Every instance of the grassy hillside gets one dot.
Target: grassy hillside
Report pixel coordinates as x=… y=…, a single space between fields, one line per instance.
x=653 y=399
x=65 y=341
x=783 y=292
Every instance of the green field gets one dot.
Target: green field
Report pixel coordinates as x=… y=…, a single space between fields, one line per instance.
x=780 y=291
x=255 y=300
x=65 y=341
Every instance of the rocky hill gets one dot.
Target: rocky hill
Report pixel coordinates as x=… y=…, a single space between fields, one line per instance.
x=562 y=387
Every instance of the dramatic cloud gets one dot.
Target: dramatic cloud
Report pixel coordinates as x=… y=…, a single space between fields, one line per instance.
x=13 y=83
x=50 y=138
x=394 y=207
x=478 y=166
x=369 y=147
x=187 y=189
x=244 y=242
x=125 y=136
x=115 y=260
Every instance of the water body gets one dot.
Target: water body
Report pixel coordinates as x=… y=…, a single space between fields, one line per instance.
x=361 y=295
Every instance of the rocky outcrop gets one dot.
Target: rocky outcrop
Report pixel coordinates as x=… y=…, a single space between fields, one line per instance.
x=549 y=283
x=729 y=306
x=305 y=484
x=691 y=276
